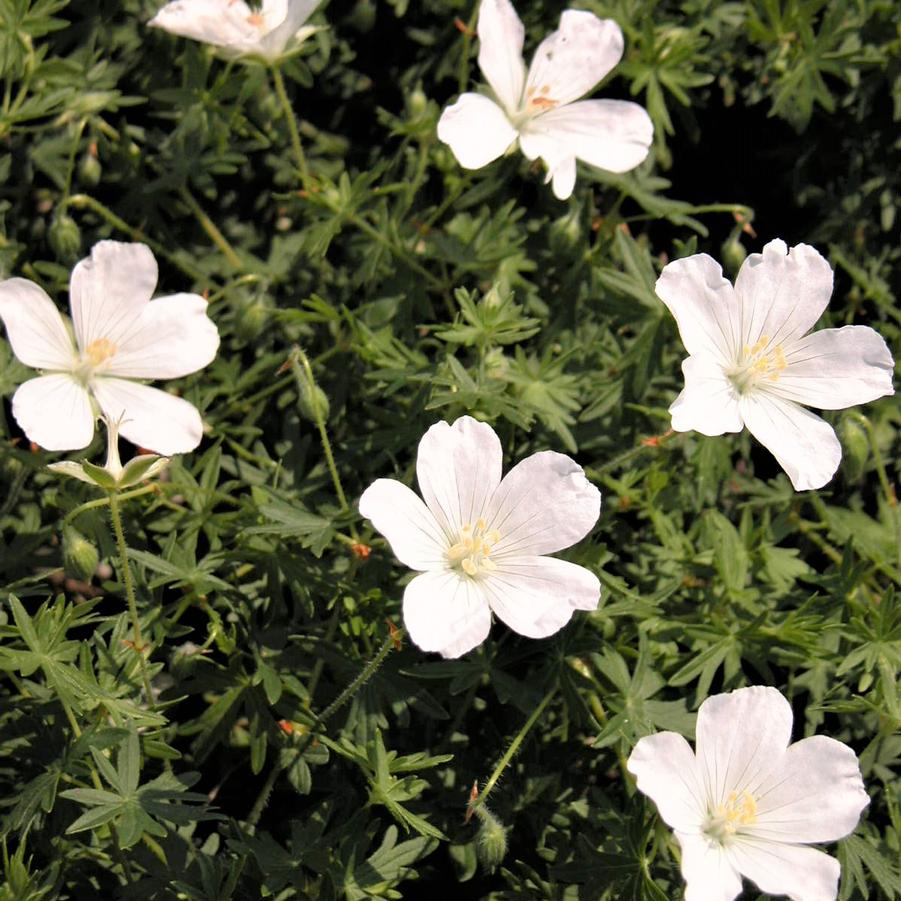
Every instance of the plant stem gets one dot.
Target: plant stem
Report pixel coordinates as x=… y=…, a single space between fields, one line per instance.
x=85 y=202
x=70 y=167
x=103 y=501
x=303 y=374
x=364 y=676
x=288 y=110
x=130 y=593
x=630 y=454
x=210 y=228
x=509 y=754
x=887 y=489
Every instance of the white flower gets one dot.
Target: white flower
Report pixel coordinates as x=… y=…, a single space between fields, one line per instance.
x=237 y=29
x=538 y=108
x=479 y=541
x=745 y=803
x=120 y=334
x=752 y=362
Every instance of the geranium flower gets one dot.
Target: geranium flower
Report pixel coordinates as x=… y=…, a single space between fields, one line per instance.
x=752 y=362
x=479 y=541
x=120 y=335
x=745 y=803
x=237 y=29
x=538 y=108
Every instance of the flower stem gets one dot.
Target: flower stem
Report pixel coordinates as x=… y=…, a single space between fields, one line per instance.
x=887 y=489
x=306 y=384
x=509 y=754
x=210 y=228
x=288 y=110
x=116 y=517
x=103 y=501
x=364 y=676
x=85 y=202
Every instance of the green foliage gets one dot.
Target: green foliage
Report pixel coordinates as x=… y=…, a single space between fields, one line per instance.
x=291 y=743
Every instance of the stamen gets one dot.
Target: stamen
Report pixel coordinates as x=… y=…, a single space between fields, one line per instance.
x=729 y=818
x=99 y=351
x=471 y=552
x=757 y=363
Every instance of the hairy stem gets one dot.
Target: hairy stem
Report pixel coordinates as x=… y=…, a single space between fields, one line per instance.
x=510 y=753
x=116 y=517
x=288 y=110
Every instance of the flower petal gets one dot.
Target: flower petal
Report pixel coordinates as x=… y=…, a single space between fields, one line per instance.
x=837 y=368
x=739 y=737
x=563 y=178
x=446 y=612
x=544 y=504
x=782 y=292
x=55 y=412
x=667 y=772
x=171 y=337
x=34 y=326
x=804 y=874
x=108 y=291
x=708 y=872
x=458 y=467
x=569 y=62
x=704 y=305
x=536 y=596
x=611 y=134
x=815 y=795
x=708 y=403
x=476 y=129
x=150 y=418
x=500 y=51
x=210 y=21
x=805 y=445
x=409 y=526
x=274 y=43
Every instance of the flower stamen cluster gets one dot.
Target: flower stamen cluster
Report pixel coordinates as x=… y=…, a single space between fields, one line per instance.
x=472 y=551
x=757 y=363
x=726 y=820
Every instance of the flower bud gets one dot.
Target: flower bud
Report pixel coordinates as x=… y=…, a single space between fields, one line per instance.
x=80 y=557
x=253 y=316
x=491 y=842
x=417 y=103
x=856 y=446
x=733 y=253
x=65 y=237
x=90 y=170
x=313 y=402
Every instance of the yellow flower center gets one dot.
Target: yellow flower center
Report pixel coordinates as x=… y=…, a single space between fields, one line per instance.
x=99 y=351
x=728 y=818
x=256 y=19
x=472 y=551
x=538 y=100
x=760 y=363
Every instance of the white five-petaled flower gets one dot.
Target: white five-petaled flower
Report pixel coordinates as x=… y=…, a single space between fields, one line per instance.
x=746 y=803
x=238 y=30
x=120 y=335
x=752 y=362
x=479 y=540
x=538 y=108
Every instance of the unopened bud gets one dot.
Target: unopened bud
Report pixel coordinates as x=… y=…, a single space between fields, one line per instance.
x=65 y=237
x=313 y=402
x=856 y=446
x=733 y=254
x=80 y=557
x=90 y=170
x=491 y=842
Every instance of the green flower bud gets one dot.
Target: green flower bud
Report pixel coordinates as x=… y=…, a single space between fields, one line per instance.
x=491 y=842
x=80 y=557
x=65 y=237
x=313 y=402
x=417 y=103
x=90 y=170
x=567 y=234
x=856 y=446
x=253 y=316
x=733 y=254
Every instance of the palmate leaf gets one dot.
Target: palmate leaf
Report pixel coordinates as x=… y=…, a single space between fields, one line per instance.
x=136 y=809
